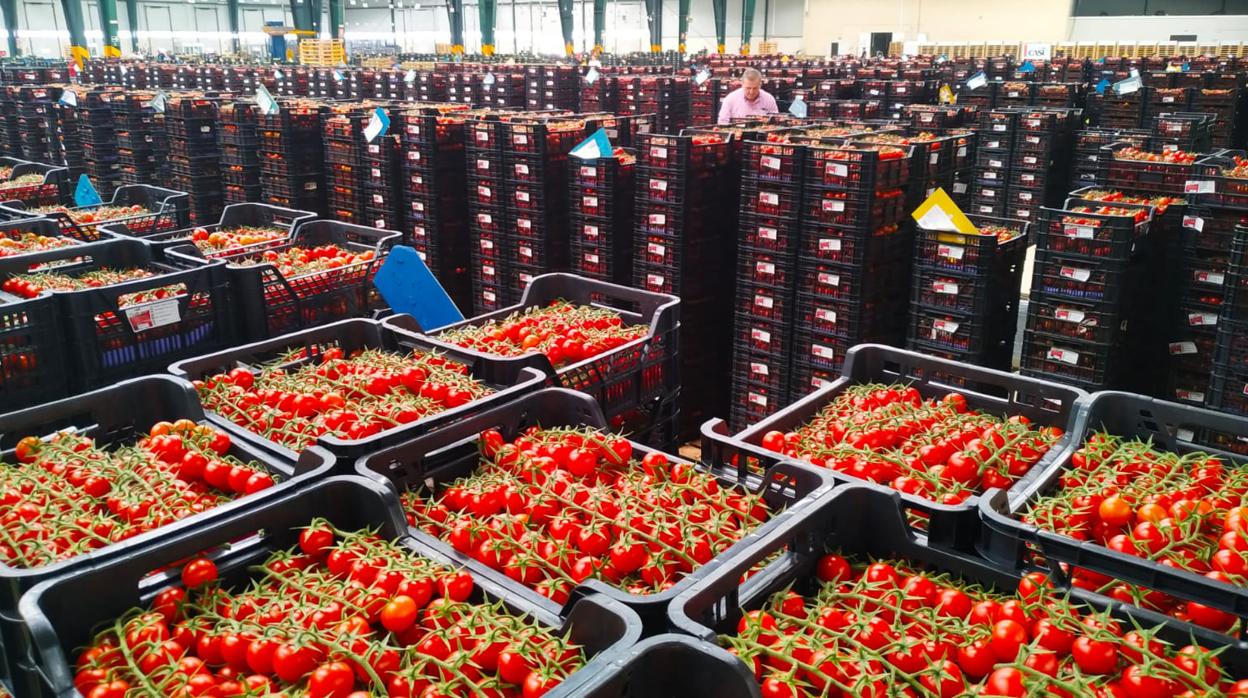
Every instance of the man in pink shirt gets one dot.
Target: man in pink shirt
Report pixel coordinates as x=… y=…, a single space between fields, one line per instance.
x=747 y=100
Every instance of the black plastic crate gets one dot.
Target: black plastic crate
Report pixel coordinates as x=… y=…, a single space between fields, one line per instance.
x=32 y=349
x=850 y=321
x=162 y=209
x=869 y=210
x=64 y=615
x=1098 y=323
x=974 y=254
x=52 y=190
x=114 y=415
x=939 y=289
x=850 y=246
x=1146 y=175
x=1084 y=364
x=1213 y=182
x=1087 y=234
x=862 y=168
x=772 y=162
x=1073 y=277
x=852 y=282
x=441 y=456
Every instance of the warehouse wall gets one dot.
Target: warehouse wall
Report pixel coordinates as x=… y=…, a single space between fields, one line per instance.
x=850 y=22
x=1158 y=29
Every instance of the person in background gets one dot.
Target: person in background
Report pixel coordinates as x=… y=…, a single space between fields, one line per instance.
x=747 y=100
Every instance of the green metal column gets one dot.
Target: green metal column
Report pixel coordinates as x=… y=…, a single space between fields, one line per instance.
x=316 y=7
x=600 y=26
x=747 y=25
x=231 y=12
x=337 y=20
x=111 y=28
x=683 y=10
x=654 y=18
x=77 y=30
x=720 y=7
x=566 y=9
x=132 y=16
x=301 y=13
x=455 y=12
x=487 y=16
x=10 y=23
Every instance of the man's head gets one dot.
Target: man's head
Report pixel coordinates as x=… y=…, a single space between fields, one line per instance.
x=751 y=83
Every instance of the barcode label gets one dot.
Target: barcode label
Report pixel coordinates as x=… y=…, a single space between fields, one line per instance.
x=998 y=127
x=1030 y=160
x=655 y=280
x=989 y=175
x=520 y=139
x=1024 y=196
x=996 y=163
x=990 y=193
x=959 y=187
x=1189 y=395
x=524 y=223
x=485 y=192
x=155 y=314
x=485 y=218
x=487 y=244
x=487 y=269
x=526 y=251
x=522 y=196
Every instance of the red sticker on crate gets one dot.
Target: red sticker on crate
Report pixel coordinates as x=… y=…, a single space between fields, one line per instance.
x=1189 y=395
x=483 y=135
x=418 y=231
x=488 y=295
x=522 y=196
x=946 y=326
x=524 y=223
x=522 y=169
x=487 y=269
x=1075 y=273
x=487 y=244
x=485 y=192
x=413 y=129
x=1066 y=356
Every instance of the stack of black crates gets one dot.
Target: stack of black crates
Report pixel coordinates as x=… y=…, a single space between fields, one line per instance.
x=36 y=119
x=965 y=292
x=344 y=168
x=552 y=87
x=603 y=94
x=240 y=161
x=465 y=88
x=10 y=131
x=433 y=182
x=99 y=139
x=292 y=160
x=1088 y=166
x=683 y=245
x=486 y=214
x=600 y=200
x=383 y=198
x=142 y=144
x=765 y=308
x=68 y=133
x=507 y=91
x=665 y=96
x=1222 y=96
x=1228 y=384
x=1022 y=160
x=195 y=154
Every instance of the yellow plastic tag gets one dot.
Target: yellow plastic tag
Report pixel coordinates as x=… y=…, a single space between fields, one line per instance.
x=939 y=213
x=946 y=95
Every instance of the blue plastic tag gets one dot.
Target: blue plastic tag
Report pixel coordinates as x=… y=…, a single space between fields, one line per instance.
x=598 y=145
x=409 y=287
x=1027 y=67
x=976 y=81
x=377 y=126
x=1100 y=86
x=798 y=107
x=85 y=193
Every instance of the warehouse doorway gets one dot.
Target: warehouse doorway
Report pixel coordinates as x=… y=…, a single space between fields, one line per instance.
x=880 y=42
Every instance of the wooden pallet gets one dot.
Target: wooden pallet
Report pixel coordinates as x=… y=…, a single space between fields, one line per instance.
x=322 y=53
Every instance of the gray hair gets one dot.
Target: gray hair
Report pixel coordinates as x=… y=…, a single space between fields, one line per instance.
x=751 y=75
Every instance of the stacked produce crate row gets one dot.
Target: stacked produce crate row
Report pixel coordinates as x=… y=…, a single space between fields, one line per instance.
x=854 y=258
x=99 y=140
x=1088 y=167
x=1042 y=149
x=1228 y=382
x=535 y=195
x=1089 y=280
x=69 y=135
x=487 y=222
x=683 y=246
x=550 y=87
x=431 y=86
x=434 y=185
x=383 y=198
x=192 y=121
x=667 y=97
x=344 y=167
x=994 y=162
x=1111 y=110
x=965 y=291
x=142 y=144
x=601 y=95
x=936 y=160
x=601 y=198
x=37 y=121
x=1187 y=131
x=10 y=132
x=1225 y=102
x=507 y=92
x=465 y=88
x=819 y=96
x=240 y=160
x=292 y=162
x=766 y=306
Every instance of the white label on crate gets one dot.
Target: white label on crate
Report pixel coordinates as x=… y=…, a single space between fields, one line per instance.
x=656 y=249
x=1066 y=356
x=757 y=399
x=998 y=127
x=658 y=219
x=833 y=205
x=658 y=152
x=873 y=92
x=993 y=144
x=989 y=193
x=827 y=279
x=485 y=218
x=526 y=251
x=946 y=287
x=1069 y=315
x=765 y=268
x=1179 y=348
x=310 y=186
x=819 y=383
x=149 y=316
x=925 y=118
x=524 y=224
x=519 y=139
x=487 y=244
x=822 y=352
x=374 y=171
x=658 y=184
x=1024 y=213
x=836 y=169
x=760 y=368
x=147 y=139
x=962 y=151
x=483 y=136
x=760 y=335
x=1173 y=127
x=1029 y=178
x=1184 y=434
x=900 y=89
x=768 y=233
x=423 y=257
x=413 y=155
x=935 y=158
x=986 y=209
x=372 y=147
x=413 y=129
x=1168 y=99
x=763 y=301
x=988 y=174
x=1194 y=223
x=1202 y=319
x=770 y=162
x=1083 y=232
x=485 y=192
x=950 y=251
x=591 y=231
x=1094 y=158
x=946 y=326
x=1209 y=277
x=1075 y=273
x=483 y=164
x=1189 y=395
x=959 y=187
x=487 y=269
x=1030 y=160
x=378 y=198
x=1199 y=186
x=488 y=296
x=655 y=280
x=996 y=163
x=1012 y=93
x=418 y=231
x=591 y=257
x=768 y=198
x=590 y=202
x=829 y=245
x=522 y=196
x=522 y=169
x=591 y=172
x=826 y=315
x=1024 y=196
